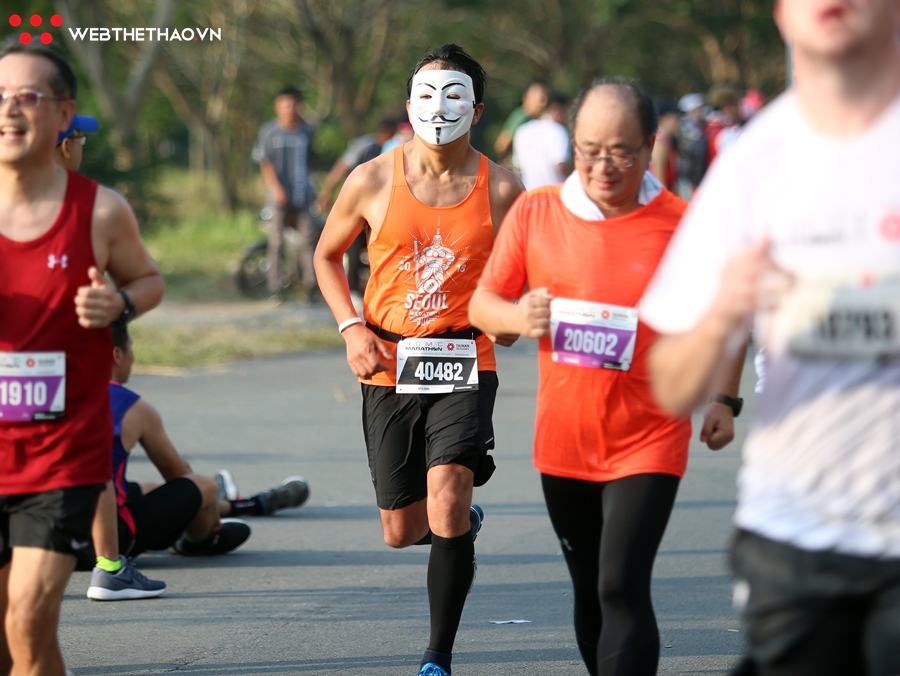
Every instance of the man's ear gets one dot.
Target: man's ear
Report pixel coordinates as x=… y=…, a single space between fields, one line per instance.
x=479 y=109
x=118 y=354
x=66 y=147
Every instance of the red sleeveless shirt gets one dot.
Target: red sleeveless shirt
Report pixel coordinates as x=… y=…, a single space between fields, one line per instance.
x=425 y=265
x=38 y=283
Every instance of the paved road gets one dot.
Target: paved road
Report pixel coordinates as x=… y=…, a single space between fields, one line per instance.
x=315 y=591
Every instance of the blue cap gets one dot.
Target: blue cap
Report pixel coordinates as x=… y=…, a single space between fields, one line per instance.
x=79 y=123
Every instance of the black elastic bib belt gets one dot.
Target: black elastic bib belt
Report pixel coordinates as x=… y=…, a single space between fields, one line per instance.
x=470 y=333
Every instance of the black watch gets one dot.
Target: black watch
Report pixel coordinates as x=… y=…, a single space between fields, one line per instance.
x=129 y=311
x=735 y=404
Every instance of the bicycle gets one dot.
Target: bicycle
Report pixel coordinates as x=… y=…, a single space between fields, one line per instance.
x=253 y=271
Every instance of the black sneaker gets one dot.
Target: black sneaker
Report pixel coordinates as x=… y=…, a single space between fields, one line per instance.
x=230 y=536
x=293 y=492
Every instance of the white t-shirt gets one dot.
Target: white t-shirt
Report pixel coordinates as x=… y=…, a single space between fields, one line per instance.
x=539 y=147
x=821 y=465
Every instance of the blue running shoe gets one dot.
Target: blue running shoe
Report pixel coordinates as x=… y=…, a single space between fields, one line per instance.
x=126 y=583
x=432 y=669
x=476 y=517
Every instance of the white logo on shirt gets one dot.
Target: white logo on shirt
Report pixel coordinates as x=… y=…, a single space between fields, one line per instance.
x=53 y=261
x=432 y=263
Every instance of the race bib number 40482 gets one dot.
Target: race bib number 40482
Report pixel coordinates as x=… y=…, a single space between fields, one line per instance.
x=592 y=335
x=436 y=366
x=32 y=386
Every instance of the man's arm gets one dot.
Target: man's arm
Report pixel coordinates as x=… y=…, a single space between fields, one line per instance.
x=718 y=419
x=505 y=190
x=337 y=173
x=142 y=423
x=366 y=354
x=118 y=249
x=270 y=178
x=495 y=315
x=684 y=366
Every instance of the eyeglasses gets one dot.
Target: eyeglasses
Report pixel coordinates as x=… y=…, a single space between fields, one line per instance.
x=27 y=99
x=617 y=160
x=80 y=139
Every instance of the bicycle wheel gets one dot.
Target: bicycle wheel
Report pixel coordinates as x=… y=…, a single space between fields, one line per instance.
x=252 y=275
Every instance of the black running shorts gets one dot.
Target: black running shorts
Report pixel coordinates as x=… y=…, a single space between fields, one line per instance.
x=408 y=434
x=160 y=517
x=58 y=520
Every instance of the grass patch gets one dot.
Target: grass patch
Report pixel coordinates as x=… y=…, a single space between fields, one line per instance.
x=198 y=257
x=190 y=345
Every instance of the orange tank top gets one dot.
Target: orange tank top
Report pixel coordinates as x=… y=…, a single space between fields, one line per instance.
x=425 y=265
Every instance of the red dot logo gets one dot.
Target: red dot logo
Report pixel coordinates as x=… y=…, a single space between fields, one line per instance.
x=35 y=20
x=451 y=347
x=890 y=227
x=29 y=363
x=605 y=314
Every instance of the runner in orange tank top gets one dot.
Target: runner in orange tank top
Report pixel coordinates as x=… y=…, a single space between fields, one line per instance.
x=430 y=210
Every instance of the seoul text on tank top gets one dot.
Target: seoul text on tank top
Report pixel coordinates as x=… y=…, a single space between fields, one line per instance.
x=425 y=265
x=56 y=429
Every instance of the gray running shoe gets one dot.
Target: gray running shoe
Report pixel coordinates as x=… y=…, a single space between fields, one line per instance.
x=293 y=492
x=231 y=535
x=228 y=489
x=127 y=583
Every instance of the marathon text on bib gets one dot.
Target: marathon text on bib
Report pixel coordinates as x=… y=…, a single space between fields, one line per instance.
x=592 y=335
x=436 y=366
x=32 y=386
x=846 y=320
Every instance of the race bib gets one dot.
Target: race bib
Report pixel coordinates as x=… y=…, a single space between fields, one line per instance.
x=436 y=366
x=592 y=335
x=840 y=319
x=32 y=386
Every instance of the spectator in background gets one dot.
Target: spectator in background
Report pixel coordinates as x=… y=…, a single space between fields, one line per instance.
x=70 y=143
x=359 y=151
x=722 y=122
x=282 y=151
x=693 y=154
x=541 y=147
x=404 y=134
x=664 y=161
x=533 y=103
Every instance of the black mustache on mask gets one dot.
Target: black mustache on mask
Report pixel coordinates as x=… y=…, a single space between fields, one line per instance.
x=436 y=118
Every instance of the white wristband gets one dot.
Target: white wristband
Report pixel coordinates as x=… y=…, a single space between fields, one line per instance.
x=348 y=323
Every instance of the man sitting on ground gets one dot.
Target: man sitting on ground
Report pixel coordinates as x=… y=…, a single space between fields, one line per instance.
x=185 y=513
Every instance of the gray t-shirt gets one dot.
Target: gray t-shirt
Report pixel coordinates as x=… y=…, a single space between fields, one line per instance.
x=360 y=150
x=288 y=152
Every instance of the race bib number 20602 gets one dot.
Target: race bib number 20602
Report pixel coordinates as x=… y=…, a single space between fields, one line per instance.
x=436 y=366
x=592 y=335
x=32 y=386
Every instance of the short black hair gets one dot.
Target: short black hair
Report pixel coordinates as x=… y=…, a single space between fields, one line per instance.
x=119 y=331
x=456 y=58
x=290 y=90
x=63 y=82
x=558 y=99
x=388 y=124
x=643 y=104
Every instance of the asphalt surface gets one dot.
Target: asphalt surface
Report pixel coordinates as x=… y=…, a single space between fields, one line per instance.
x=315 y=590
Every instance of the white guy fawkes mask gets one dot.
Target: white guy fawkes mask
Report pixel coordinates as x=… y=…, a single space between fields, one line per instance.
x=441 y=105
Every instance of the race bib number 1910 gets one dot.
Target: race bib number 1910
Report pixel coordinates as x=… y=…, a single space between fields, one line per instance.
x=32 y=386
x=592 y=335
x=436 y=366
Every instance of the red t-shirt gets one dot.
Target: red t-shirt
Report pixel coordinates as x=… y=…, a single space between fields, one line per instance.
x=38 y=283
x=592 y=424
